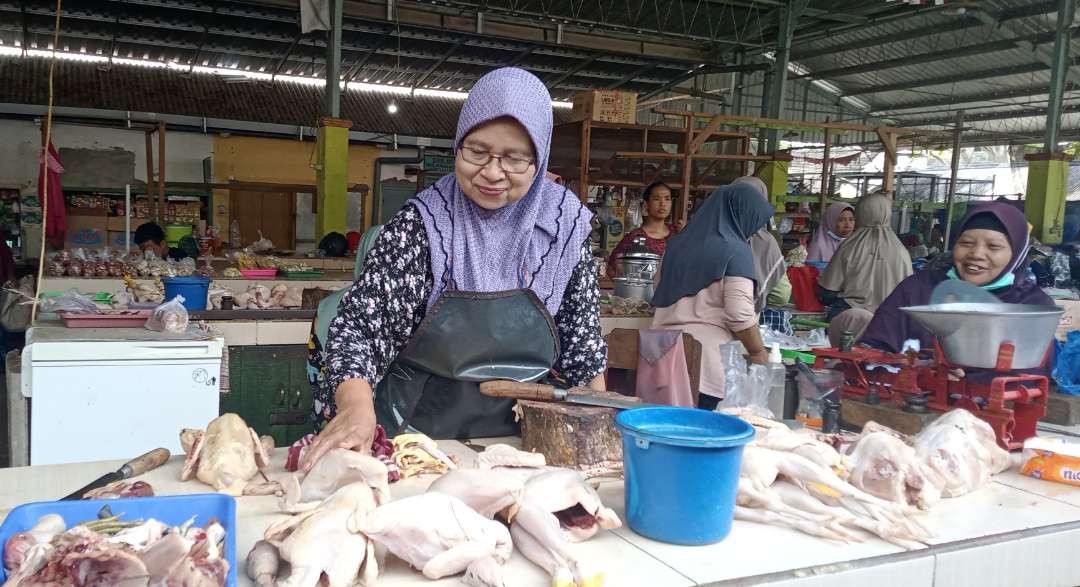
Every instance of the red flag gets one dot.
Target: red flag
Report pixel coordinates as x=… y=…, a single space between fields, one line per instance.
x=56 y=222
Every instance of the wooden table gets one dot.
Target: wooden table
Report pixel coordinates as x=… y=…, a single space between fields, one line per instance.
x=1016 y=531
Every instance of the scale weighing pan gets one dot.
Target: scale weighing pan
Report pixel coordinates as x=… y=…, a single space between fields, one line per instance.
x=971 y=334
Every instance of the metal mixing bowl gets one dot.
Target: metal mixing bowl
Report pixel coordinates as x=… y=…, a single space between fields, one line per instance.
x=970 y=334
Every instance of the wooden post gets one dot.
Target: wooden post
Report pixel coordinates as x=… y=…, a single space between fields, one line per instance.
x=150 y=170
x=585 y=151
x=825 y=169
x=161 y=172
x=684 y=207
x=888 y=140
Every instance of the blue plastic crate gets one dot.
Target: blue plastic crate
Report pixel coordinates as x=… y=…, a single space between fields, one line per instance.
x=169 y=509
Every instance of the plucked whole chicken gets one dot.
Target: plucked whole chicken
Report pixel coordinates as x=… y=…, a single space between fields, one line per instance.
x=794 y=479
x=226 y=456
x=441 y=536
x=323 y=546
x=887 y=467
x=963 y=450
x=547 y=508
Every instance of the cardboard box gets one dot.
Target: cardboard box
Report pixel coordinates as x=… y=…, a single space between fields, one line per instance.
x=1070 y=320
x=77 y=211
x=86 y=231
x=117 y=223
x=606 y=106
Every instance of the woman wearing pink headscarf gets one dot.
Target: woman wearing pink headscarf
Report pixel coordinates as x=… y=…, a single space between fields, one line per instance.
x=837 y=224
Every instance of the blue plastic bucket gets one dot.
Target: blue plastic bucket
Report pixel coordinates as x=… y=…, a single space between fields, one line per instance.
x=682 y=472
x=194 y=290
x=173 y=510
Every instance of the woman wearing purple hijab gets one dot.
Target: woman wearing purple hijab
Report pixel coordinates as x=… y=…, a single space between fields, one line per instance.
x=485 y=275
x=990 y=251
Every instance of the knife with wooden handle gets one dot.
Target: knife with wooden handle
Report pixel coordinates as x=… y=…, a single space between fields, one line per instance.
x=549 y=393
x=137 y=466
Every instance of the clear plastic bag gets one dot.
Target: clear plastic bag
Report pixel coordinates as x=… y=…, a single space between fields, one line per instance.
x=817 y=338
x=70 y=301
x=786 y=341
x=171 y=316
x=1059 y=268
x=744 y=387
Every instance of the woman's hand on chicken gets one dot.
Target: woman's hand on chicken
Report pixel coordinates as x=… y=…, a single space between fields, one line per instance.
x=353 y=427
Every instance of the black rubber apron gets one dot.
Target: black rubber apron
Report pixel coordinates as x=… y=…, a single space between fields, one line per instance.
x=467 y=338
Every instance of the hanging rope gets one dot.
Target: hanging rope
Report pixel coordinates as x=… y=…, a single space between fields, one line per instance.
x=43 y=177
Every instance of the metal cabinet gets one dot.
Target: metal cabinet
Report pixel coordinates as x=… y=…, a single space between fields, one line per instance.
x=270 y=391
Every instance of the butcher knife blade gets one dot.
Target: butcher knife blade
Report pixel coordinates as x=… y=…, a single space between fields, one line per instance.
x=549 y=393
x=137 y=466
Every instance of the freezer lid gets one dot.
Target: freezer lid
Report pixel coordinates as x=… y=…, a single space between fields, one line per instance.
x=55 y=343
x=154 y=351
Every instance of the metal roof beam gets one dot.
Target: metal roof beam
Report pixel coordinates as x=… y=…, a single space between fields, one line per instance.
x=552 y=83
x=949 y=79
x=992 y=115
x=358 y=66
x=921 y=32
x=932 y=56
x=436 y=65
x=622 y=81
x=1039 y=90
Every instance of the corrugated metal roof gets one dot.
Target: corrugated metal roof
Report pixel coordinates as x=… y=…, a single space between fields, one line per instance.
x=168 y=91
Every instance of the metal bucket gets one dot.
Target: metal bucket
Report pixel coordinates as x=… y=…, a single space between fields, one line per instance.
x=634 y=289
x=971 y=334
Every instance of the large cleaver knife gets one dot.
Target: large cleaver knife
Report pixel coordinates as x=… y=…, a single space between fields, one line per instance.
x=548 y=393
x=137 y=466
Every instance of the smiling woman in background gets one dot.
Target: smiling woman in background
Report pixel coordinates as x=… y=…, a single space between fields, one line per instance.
x=990 y=251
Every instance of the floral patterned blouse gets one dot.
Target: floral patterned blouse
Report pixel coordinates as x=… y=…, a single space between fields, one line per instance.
x=383 y=308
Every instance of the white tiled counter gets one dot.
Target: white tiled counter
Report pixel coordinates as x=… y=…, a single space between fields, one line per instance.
x=1014 y=532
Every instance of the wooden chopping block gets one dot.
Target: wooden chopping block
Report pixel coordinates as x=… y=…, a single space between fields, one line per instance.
x=858 y=413
x=571 y=435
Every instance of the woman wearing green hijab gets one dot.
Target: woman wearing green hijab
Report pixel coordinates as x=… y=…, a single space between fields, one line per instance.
x=320 y=329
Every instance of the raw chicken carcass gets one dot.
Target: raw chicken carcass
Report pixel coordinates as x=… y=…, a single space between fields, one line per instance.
x=325 y=542
x=963 y=450
x=441 y=536
x=18 y=546
x=337 y=468
x=504 y=455
x=886 y=467
x=547 y=509
x=263 y=564
x=226 y=456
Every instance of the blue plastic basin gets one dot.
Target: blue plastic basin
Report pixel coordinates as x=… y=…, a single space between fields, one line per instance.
x=682 y=472
x=193 y=288
x=169 y=509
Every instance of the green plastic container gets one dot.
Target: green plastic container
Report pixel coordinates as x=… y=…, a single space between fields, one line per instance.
x=314 y=274
x=175 y=232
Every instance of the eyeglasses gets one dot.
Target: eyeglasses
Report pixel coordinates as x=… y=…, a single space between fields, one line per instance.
x=508 y=163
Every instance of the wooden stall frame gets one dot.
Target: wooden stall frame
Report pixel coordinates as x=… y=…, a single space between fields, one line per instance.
x=887 y=135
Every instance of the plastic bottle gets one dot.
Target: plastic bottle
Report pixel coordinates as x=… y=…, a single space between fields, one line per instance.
x=777 y=382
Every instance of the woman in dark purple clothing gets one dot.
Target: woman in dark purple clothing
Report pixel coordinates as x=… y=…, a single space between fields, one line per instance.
x=990 y=251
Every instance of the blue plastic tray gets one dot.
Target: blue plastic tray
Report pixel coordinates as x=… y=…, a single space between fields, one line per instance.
x=170 y=509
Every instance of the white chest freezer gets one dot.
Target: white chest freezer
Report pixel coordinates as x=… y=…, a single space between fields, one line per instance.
x=115 y=393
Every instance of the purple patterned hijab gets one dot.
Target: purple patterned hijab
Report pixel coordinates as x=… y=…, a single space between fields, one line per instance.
x=533 y=243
